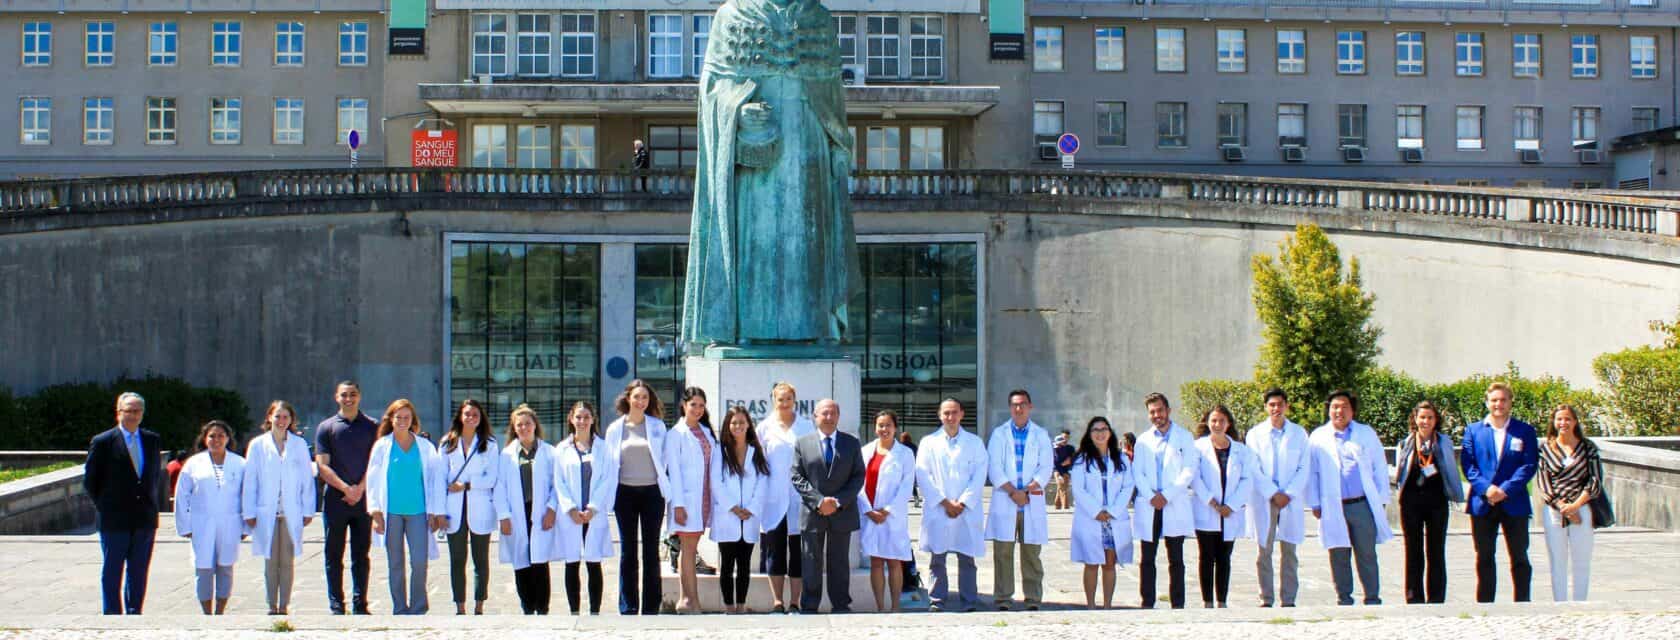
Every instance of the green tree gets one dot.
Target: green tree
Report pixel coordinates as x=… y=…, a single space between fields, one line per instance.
x=1317 y=333
x=1669 y=331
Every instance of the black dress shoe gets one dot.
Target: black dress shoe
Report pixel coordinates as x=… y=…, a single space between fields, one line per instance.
x=841 y=610
x=362 y=611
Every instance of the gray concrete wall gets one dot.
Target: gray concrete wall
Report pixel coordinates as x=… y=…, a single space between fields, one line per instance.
x=45 y=504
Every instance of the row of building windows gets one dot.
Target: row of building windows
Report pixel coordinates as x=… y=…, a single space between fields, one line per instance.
x=1231 y=52
x=1231 y=122
x=163 y=43
x=226 y=120
x=565 y=45
x=675 y=146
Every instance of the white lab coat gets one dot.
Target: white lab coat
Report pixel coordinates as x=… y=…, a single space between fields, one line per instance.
x=1325 y=492
x=1294 y=472
x=479 y=470
x=656 y=431
x=749 y=490
x=952 y=470
x=1235 y=492
x=210 y=512
x=431 y=474
x=276 y=485
x=1000 y=452
x=894 y=483
x=782 y=504
x=529 y=543
x=685 y=474
x=1179 y=469
x=1089 y=499
x=570 y=543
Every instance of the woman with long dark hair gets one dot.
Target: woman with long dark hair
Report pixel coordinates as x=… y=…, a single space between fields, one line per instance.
x=405 y=480
x=279 y=500
x=1225 y=483
x=1101 y=481
x=584 y=483
x=636 y=440
x=207 y=507
x=889 y=477
x=1570 y=476
x=691 y=452
x=471 y=453
x=1428 y=482
x=739 y=488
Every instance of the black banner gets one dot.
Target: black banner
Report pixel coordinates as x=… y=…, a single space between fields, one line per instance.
x=408 y=42
x=1009 y=46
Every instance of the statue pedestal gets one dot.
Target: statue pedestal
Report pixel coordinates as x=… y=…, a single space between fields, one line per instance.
x=731 y=382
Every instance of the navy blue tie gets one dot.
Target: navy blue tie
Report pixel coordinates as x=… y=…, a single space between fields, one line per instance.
x=828 y=451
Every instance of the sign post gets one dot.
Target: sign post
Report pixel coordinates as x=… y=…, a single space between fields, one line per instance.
x=355 y=141
x=1068 y=144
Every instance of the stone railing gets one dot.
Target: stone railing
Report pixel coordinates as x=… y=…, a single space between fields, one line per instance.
x=412 y=188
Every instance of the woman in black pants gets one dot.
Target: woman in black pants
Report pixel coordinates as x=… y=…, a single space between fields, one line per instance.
x=1428 y=482
x=636 y=440
x=1223 y=486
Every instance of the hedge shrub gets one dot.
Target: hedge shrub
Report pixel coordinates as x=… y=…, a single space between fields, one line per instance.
x=67 y=416
x=1644 y=386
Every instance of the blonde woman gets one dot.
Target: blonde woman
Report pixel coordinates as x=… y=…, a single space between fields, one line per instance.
x=405 y=480
x=778 y=432
x=278 y=500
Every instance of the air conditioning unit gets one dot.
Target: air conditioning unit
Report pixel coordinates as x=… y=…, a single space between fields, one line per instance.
x=1411 y=155
x=1529 y=156
x=1353 y=154
x=853 y=75
x=1294 y=154
x=1588 y=156
x=1048 y=152
x=1292 y=141
x=1232 y=153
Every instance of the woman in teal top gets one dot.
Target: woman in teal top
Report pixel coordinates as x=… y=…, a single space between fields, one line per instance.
x=405 y=492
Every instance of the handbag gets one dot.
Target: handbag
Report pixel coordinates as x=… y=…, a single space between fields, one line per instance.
x=1603 y=514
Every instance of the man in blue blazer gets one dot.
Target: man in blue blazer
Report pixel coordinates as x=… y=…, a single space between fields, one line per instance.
x=1499 y=457
x=122 y=477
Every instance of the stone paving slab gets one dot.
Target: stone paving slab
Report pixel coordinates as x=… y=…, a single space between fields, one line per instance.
x=58 y=576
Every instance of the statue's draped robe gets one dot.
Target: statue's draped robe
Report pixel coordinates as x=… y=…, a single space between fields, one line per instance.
x=772 y=255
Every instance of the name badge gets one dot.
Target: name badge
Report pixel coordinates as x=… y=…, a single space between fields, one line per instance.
x=1428 y=470
x=1516 y=445
x=1568 y=461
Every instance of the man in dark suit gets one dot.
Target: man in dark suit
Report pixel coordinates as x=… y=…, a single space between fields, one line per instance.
x=828 y=474
x=121 y=475
x=1500 y=455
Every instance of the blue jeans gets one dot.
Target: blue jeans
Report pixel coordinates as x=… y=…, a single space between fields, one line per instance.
x=408 y=593
x=129 y=550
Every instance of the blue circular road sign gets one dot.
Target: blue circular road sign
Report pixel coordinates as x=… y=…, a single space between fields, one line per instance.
x=356 y=139
x=1068 y=144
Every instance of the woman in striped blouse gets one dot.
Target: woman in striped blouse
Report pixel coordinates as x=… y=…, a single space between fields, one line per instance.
x=1570 y=476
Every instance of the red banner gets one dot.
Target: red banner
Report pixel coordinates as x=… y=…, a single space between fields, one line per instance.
x=433 y=148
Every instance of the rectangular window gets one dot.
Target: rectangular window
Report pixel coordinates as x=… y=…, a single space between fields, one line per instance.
x=101 y=43
x=1047 y=120
x=353 y=43
x=288 y=44
x=489 y=146
x=98 y=120
x=1470 y=127
x=288 y=121
x=1292 y=125
x=1645 y=119
x=1047 y=48
x=1350 y=52
x=490 y=45
x=845 y=30
x=1525 y=55
x=1111 y=124
x=37 y=44
x=1408 y=127
x=927 y=47
x=701 y=33
x=353 y=116
x=1468 y=53
x=1291 y=51
x=1583 y=127
x=577 y=146
x=664 y=46
x=883 y=46
x=160 y=120
x=673 y=147
x=1583 y=55
x=534 y=146
x=1169 y=125
x=225 y=45
x=1525 y=130
x=1232 y=50
x=36 y=121
x=1642 y=56
x=1350 y=125
x=927 y=148
x=534 y=42
x=225 y=120
x=881 y=149
x=1169 y=50
x=163 y=42
x=1408 y=53
x=1233 y=124
x=577 y=45
x=1111 y=48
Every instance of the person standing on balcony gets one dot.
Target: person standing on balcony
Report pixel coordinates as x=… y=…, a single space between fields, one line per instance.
x=640 y=162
